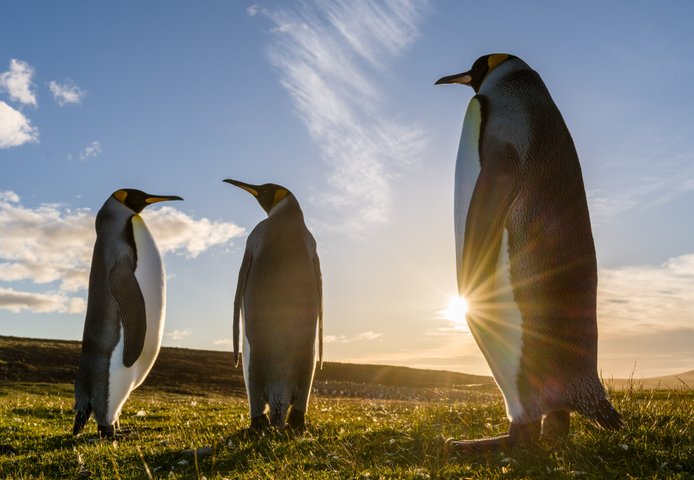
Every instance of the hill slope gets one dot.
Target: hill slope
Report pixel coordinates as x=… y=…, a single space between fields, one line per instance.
x=199 y=371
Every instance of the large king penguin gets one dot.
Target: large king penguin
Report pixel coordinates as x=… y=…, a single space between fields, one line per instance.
x=279 y=295
x=125 y=310
x=525 y=257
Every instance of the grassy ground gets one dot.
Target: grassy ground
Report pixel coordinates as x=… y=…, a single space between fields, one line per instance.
x=345 y=438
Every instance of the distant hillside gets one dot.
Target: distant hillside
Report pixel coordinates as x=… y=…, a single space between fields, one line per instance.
x=199 y=371
x=682 y=381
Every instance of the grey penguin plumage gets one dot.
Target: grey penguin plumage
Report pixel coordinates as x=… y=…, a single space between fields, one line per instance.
x=125 y=310
x=525 y=257
x=279 y=297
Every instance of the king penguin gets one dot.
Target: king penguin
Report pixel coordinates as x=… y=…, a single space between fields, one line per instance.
x=525 y=257
x=125 y=310
x=279 y=295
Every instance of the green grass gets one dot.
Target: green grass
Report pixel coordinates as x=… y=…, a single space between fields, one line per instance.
x=345 y=438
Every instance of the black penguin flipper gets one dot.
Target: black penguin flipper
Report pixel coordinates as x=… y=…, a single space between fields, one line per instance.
x=238 y=299
x=131 y=305
x=319 y=282
x=494 y=193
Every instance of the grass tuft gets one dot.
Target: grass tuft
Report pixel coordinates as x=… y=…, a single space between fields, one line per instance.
x=179 y=436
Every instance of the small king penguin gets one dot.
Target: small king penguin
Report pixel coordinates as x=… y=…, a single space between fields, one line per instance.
x=525 y=257
x=279 y=296
x=125 y=311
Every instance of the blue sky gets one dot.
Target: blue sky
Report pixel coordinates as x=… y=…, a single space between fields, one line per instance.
x=335 y=100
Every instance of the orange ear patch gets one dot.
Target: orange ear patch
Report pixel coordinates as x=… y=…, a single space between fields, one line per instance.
x=120 y=195
x=496 y=59
x=279 y=195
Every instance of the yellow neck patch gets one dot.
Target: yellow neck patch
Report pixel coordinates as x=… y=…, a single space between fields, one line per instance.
x=496 y=60
x=120 y=195
x=279 y=195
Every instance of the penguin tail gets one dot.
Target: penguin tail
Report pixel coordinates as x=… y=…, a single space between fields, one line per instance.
x=595 y=405
x=607 y=416
x=83 y=412
x=83 y=403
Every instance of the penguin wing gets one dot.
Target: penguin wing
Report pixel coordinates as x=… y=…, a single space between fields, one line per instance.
x=319 y=285
x=238 y=298
x=131 y=304
x=492 y=198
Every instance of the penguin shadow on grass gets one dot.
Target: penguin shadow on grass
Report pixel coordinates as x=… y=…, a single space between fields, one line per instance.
x=231 y=454
x=125 y=434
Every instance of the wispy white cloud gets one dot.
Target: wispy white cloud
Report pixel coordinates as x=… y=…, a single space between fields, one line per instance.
x=17 y=82
x=647 y=297
x=9 y=197
x=645 y=318
x=359 y=337
x=252 y=10
x=646 y=178
x=454 y=352
x=645 y=321
x=332 y=57
x=92 y=150
x=179 y=334
x=17 y=301
x=15 y=128
x=45 y=244
x=177 y=232
x=52 y=244
x=66 y=93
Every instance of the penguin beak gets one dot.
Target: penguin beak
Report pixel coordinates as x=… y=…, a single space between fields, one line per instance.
x=161 y=198
x=252 y=189
x=463 y=78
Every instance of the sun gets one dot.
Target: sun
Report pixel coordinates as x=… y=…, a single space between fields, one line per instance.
x=455 y=312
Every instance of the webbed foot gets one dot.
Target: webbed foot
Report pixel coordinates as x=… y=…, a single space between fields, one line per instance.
x=296 y=420
x=519 y=435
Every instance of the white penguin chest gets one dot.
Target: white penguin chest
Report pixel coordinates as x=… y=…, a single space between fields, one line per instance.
x=467 y=169
x=150 y=276
x=498 y=334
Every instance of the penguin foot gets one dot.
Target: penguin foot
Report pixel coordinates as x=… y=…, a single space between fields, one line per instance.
x=525 y=434
x=260 y=423
x=520 y=435
x=296 y=420
x=480 y=445
x=555 y=425
x=107 y=431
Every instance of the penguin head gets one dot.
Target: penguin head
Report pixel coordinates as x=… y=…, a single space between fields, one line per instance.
x=482 y=67
x=137 y=200
x=268 y=194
